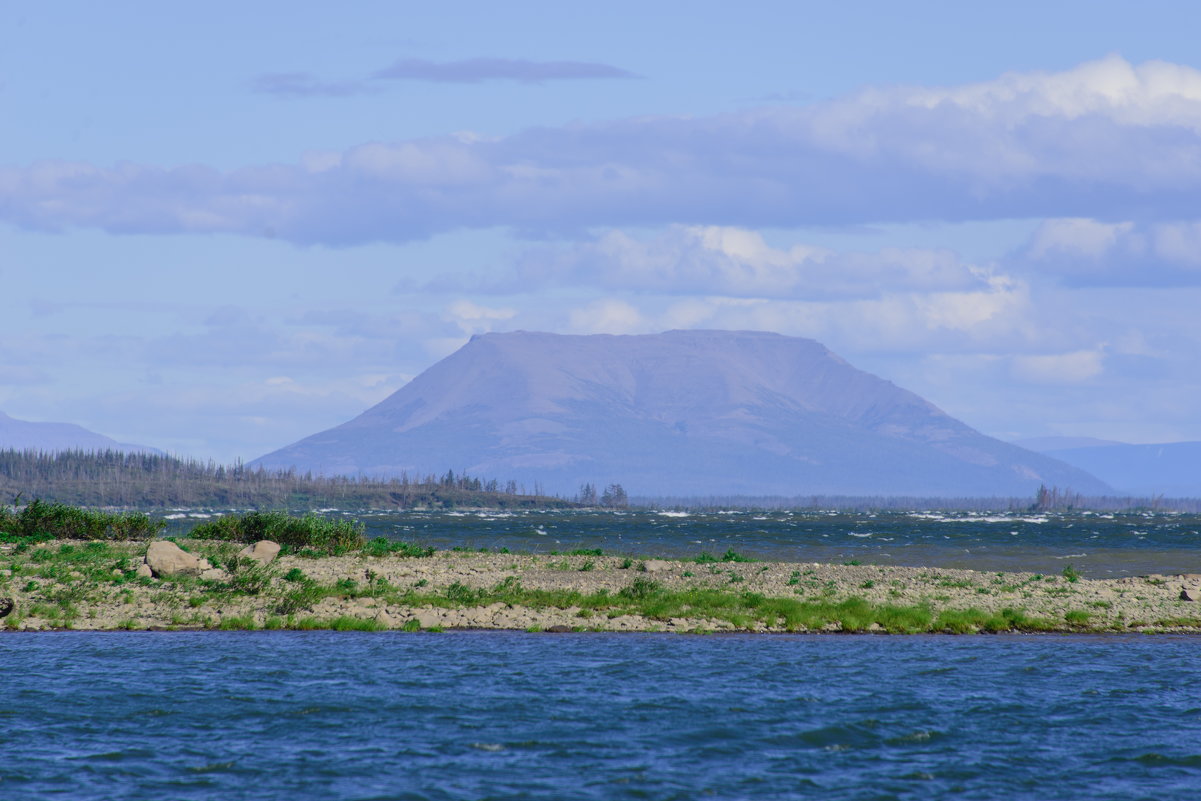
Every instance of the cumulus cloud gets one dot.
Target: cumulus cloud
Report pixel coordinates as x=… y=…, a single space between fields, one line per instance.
x=1087 y=252
x=736 y=262
x=1000 y=318
x=477 y=70
x=1107 y=141
x=608 y=316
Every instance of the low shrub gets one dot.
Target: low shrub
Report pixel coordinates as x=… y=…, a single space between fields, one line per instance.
x=292 y=533
x=40 y=521
x=640 y=588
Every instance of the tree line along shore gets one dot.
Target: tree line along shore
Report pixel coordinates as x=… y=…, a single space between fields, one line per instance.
x=105 y=571
x=155 y=481
x=135 y=480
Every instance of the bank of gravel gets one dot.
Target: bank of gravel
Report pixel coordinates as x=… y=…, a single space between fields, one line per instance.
x=82 y=585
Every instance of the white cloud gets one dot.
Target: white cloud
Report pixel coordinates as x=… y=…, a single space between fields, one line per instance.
x=1081 y=237
x=1091 y=252
x=1107 y=140
x=470 y=318
x=609 y=316
x=736 y=262
x=1152 y=93
x=1000 y=317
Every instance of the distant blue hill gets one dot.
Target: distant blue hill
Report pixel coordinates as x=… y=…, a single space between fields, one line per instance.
x=680 y=413
x=25 y=435
x=1048 y=444
x=1172 y=469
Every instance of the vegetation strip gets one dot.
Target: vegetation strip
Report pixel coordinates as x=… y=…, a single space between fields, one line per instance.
x=91 y=576
x=154 y=481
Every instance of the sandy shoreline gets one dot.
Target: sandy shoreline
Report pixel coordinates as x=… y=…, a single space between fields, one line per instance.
x=77 y=585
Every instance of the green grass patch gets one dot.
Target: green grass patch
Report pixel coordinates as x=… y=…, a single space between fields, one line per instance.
x=649 y=599
x=381 y=546
x=731 y=555
x=969 y=621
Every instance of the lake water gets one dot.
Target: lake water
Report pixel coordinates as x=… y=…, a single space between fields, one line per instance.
x=507 y=715
x=503 y=715
x=1097 y=545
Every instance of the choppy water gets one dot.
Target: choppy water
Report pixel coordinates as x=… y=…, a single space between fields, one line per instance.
x=502 y=715
x=1098 y=545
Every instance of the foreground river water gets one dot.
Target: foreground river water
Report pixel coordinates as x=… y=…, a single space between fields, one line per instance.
x=510 y=715
x=502 y=715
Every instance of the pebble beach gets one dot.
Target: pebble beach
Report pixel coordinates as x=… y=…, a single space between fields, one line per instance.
x=109 y=586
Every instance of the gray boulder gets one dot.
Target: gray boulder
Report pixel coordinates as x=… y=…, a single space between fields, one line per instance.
x=165 y=558
x=263 y=552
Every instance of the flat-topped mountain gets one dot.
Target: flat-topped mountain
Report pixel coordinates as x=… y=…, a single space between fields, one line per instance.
x=681 y=413
x=23 y=435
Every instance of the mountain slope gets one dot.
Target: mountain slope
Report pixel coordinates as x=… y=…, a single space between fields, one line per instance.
x=24 y=435
x=684 y=412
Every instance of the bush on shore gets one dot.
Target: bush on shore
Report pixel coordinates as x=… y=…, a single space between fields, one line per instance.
x=292 y=533
x=46 y=521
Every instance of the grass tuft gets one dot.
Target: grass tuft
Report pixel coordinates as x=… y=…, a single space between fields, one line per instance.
x=381 y=546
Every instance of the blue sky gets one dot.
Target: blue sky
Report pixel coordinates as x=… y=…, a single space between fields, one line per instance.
x=226 y=226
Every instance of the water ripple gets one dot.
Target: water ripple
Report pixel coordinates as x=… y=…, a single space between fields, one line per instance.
x=501 y=715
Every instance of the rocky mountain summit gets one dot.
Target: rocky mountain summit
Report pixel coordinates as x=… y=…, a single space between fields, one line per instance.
x=680 y=413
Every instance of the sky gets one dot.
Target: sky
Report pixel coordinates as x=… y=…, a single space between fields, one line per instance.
x=226 y=226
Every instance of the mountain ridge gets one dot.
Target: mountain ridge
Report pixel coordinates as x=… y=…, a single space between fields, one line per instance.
x=26 y=435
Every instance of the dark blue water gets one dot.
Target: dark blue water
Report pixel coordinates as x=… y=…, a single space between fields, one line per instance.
x=1097 y=545
x=316 y=715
